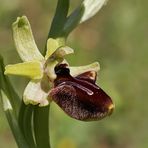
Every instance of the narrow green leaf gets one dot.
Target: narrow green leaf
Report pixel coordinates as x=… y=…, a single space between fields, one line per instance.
x=77 y=70
x=32 y=69
x=6 y=103
x=27 y=125
x=85 y=11
x=91 y=7
x=24 y=40
x=25 y=121
x=6 y=86
x=73 y=20
x=8 y=109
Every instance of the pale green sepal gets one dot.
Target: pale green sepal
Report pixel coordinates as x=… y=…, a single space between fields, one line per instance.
x=52 y=45
x=91 y=7
x=36 y=94
x=74 y=71
x=24 y=40
x=33 y=70
x=62 y=51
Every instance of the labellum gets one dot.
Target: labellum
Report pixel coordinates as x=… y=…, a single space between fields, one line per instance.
x=79 y=96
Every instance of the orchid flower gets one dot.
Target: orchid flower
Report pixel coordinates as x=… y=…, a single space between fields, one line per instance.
x=52 y=79
x=74 y=89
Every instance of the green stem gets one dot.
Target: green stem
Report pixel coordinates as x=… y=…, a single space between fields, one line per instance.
x=41 y=126
x=25 y=123
x=41 y=115
x=57 y=25
x=59 y=19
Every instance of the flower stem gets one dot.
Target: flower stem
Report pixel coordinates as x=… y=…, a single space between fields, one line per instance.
x=41 y=115
x=25 y=123
x=41 y=126
x=59 y=19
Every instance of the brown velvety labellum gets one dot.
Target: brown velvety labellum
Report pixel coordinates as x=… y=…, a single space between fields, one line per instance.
x=79 y=96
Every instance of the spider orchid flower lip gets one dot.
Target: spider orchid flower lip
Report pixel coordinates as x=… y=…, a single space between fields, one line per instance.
x=79 y=96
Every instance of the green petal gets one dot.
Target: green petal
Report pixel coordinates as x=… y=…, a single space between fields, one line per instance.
x=57 y=57
x=75 y=71
x=55 y=51
x=62 y=51
x=33 y=70
x=37 y=92
x=24 y=40
x=52 y=45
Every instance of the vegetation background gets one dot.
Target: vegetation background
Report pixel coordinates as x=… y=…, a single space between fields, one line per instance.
x=117 y=37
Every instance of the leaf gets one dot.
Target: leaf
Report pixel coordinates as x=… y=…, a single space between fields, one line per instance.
x=91 y=7
x=7 y=87
x=85 y=11
x=59 y=18
x=12 y=120
x=24 y=40
x=33 y=69
x=25 y=123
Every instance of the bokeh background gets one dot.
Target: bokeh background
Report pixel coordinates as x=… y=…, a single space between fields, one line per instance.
x=117 y=37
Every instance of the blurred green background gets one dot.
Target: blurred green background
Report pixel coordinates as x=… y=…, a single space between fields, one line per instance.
x=117 y=37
